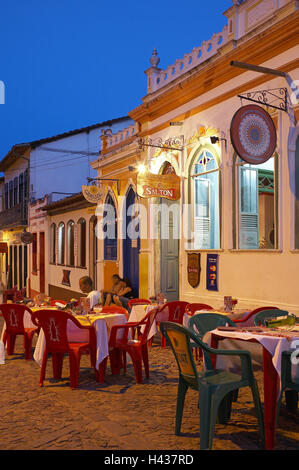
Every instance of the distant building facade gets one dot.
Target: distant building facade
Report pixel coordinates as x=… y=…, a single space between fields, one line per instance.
x=54 y=168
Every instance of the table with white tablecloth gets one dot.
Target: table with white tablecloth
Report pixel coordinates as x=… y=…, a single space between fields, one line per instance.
x=102 y=324
x=237 y=314
x=266 y=348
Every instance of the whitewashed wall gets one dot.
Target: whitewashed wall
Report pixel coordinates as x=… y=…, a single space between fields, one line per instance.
x=256 y=277
x=57 y=167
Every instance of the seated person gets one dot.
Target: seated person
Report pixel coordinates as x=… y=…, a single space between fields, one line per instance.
x=117 y=284
x=124 y=295
x=86 y=286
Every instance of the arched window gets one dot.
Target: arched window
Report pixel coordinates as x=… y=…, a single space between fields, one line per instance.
x=71 y=243
x=256 y=202
x=81 y=243
x=61 y=243
x=205 y=195
x=53 y=243
x=110 y=229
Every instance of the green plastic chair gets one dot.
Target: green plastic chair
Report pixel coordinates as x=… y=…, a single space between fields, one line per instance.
x=288 y=385
x=214 y=386
x=201 y=323
x=260 y=317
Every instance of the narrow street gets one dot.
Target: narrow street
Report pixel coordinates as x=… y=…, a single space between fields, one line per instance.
x=118 y=415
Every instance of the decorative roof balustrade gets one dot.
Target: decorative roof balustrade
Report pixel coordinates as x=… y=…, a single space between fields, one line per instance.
x=110 y=140
x=157 y=78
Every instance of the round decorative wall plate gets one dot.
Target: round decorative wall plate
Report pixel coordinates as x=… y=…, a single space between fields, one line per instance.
x=253 y=134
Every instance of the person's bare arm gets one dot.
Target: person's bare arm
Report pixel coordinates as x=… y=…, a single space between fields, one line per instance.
x=124 y=291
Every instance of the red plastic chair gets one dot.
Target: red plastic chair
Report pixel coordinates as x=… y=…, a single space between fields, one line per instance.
x=54 y=325
x=252 y=313
x=115 y=309
x=193 y=307
x=138 y=349
x=14 y=325
x=176 y=312
x=139 y=301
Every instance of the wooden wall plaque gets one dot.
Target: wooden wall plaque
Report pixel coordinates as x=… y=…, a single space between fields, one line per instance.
x=193 y=269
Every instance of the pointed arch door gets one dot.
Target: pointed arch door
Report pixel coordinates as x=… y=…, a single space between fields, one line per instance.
x=93 y=250
x=131 y=242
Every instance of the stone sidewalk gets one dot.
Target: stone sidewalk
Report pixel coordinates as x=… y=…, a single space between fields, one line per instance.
x=118 y=415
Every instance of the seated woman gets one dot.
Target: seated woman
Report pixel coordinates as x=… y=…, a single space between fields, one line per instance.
x=117 y=285
x=124 y=295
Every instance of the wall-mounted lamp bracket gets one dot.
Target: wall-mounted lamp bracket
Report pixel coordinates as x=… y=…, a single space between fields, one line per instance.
x=173 y=143
x=279 y=96
x=215 y=139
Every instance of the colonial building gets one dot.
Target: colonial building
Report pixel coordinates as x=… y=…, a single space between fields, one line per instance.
x=65 y=232
x=55 y=167
x=234 y=229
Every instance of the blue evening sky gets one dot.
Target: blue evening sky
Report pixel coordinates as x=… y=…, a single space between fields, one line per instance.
x=68 y=64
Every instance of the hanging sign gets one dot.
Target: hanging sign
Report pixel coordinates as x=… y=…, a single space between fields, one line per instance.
x=3 y=247
x=93 y=193
x=253 y=134
x=193 y=269
x=212 y=272
x=27 y=237
x=151 y=185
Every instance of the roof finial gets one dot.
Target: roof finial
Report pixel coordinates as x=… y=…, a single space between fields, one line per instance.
x=154 y=60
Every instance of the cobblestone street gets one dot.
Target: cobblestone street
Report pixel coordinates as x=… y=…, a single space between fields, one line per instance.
x=118 y=415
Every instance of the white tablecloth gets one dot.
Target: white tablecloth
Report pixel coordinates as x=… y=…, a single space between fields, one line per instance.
x=274 y=344
x=101 y=323
x=138 y=312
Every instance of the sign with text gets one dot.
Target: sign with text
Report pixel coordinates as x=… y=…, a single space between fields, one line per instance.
x=166 y=186
x=212 y=271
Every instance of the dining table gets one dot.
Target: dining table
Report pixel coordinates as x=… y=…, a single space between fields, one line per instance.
x=266 y=346
x=102 y=323
x=139 y=311
x=235 y=314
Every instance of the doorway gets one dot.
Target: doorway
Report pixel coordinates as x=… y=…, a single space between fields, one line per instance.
x=93 y=250
x=131 y=242
x=42 y=262
x=169 y=243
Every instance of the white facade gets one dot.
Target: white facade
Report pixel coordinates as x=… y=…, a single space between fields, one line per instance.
x=60 y=278
x=266 y=275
